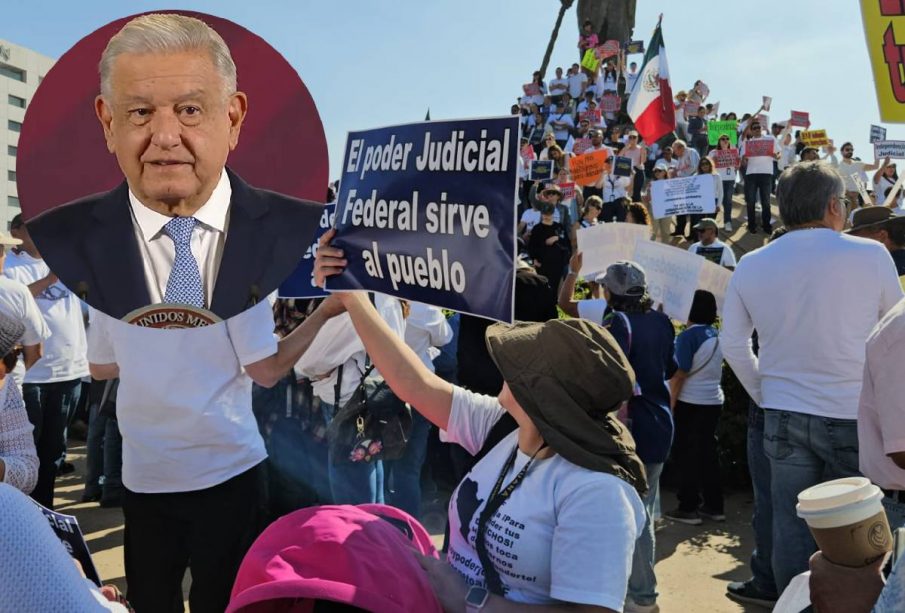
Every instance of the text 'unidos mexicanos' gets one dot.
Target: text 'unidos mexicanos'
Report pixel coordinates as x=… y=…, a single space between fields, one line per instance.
x=435 y=270
x=455 y=154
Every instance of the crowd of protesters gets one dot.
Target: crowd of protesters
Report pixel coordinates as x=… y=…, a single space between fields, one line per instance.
x=553 y=432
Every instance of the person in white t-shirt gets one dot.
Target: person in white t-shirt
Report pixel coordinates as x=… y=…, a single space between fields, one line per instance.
x=558 y=86
x=631 y=75
x=807 y=375
x=550 y=515
x=578 y=82
x=849 y=169
x=758 y=174
x=710 y=247
x=51 y=387
x=562 y=123
x=17 y=302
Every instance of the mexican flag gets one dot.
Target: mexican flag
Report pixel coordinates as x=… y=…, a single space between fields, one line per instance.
x=650 y=105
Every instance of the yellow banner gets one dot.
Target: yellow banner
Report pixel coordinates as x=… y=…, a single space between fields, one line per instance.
x=884 y=28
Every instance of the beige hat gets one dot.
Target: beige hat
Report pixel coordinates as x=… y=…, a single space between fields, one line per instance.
x=7 y=239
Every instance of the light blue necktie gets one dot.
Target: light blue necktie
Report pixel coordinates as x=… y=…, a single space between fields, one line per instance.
x=184 y=285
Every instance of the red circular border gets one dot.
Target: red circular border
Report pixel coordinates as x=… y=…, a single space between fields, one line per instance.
x=62 y=154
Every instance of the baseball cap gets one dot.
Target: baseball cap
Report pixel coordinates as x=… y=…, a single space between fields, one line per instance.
x=625 y=278
x=707 y=222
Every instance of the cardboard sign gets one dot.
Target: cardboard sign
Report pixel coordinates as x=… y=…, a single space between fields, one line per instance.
x=767 y=102
x=760 y=147
x=691 y=108
x=889 y=149
x=588 y=168
x=877 y=133
x=66 y=528
x=608 y=49
x=672 y=275
x=531 y=89
x=425 y=213
x=590 y=62
x=541 y=170
x=815 y=138
x=684 y=195
x=715 y=129
x=300 y=284
x=581 y=145
x=800 y=119
x=883 y=26
x=593 y=117
x=568 y=190
x=725 y=158
x=610 y=103
x=622 y=167
x=634 y=47
x=607 y=243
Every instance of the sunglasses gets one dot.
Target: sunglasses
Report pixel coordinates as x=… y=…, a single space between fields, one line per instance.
x=847 y=149
x=724 y=138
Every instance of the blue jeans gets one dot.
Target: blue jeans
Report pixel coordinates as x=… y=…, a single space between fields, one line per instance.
x=758 y=185
x=353 y=482
x=642 y=583
x=762 y=520
x=404 y=474
x=804 y=450
x=895 y=513
x=49 y=407
x=105 y=454
x=728 y=191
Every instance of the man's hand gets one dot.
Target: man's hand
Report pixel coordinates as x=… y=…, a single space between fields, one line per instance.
x=447 y=583
x=840 y=589
x=329 y=260
x=575 y=262
x=552 y=240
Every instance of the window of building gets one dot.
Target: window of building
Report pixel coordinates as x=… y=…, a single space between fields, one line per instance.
x=10 y=175
x=15 y=126
x=12 y=150
x=17 y=74
x=16 y=101
x=12 y=201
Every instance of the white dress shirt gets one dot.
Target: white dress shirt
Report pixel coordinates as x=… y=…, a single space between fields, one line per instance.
x=208 y=238
x=426 y=329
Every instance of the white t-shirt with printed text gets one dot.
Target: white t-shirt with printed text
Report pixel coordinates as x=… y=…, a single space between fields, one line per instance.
x=566 y=534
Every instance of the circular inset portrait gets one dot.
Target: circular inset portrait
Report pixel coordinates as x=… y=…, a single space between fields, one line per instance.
x=171 y=159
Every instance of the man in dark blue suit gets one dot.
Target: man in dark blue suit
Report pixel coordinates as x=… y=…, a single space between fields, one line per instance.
x=182 y=228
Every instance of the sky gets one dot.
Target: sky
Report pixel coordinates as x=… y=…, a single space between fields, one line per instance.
x=370 y=63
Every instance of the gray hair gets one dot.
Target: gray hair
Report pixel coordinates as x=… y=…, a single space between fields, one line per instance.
x=804 y=191
x=168 y=33
x=680 y=143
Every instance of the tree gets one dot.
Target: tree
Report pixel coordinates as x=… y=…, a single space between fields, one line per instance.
x=564 y=5
x=612 y=19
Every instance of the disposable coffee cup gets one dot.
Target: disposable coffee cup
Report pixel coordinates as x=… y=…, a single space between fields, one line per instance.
x=847 y=520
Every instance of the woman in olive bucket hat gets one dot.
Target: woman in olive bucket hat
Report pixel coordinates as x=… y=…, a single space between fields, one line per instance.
x=550 y=515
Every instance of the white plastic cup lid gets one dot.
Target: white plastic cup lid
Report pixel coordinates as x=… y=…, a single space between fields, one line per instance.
x=836 y=495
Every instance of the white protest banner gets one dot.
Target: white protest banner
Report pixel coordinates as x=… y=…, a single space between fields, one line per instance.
x=684 y=195
x=877 y=133
x=606 y=243
x=715 y=279
x=672 y=276
x=889 y=149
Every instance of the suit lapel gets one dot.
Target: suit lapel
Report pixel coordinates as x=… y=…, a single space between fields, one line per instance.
x=112 y=251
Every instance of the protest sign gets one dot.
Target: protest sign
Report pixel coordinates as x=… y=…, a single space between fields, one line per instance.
x=683 y=195
x=633 y=47
x=764 y=121
x=606 y=243
x=814 y=138
x=715 y=129
x=715 y=109
x=883 y=24
x=580 y=145
x=595 y=116
x=425 y=213
x=760 y=147
x=531 y=89
x=800 y=119
x=300 y=284
x=767 y=102
x=610 y=103
x=567 y=189
x=587 y=168
x=622 y=167
x=541 y=170
x=672 y=275
x=715 y=279
x=877 y=133
x=691 y=108
x=527 y=153
x=889 y=149
x=66 y=528
x=861 y=187
x=703 y=89
x=608 y=49
x=590 y=62
x=725 y=158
